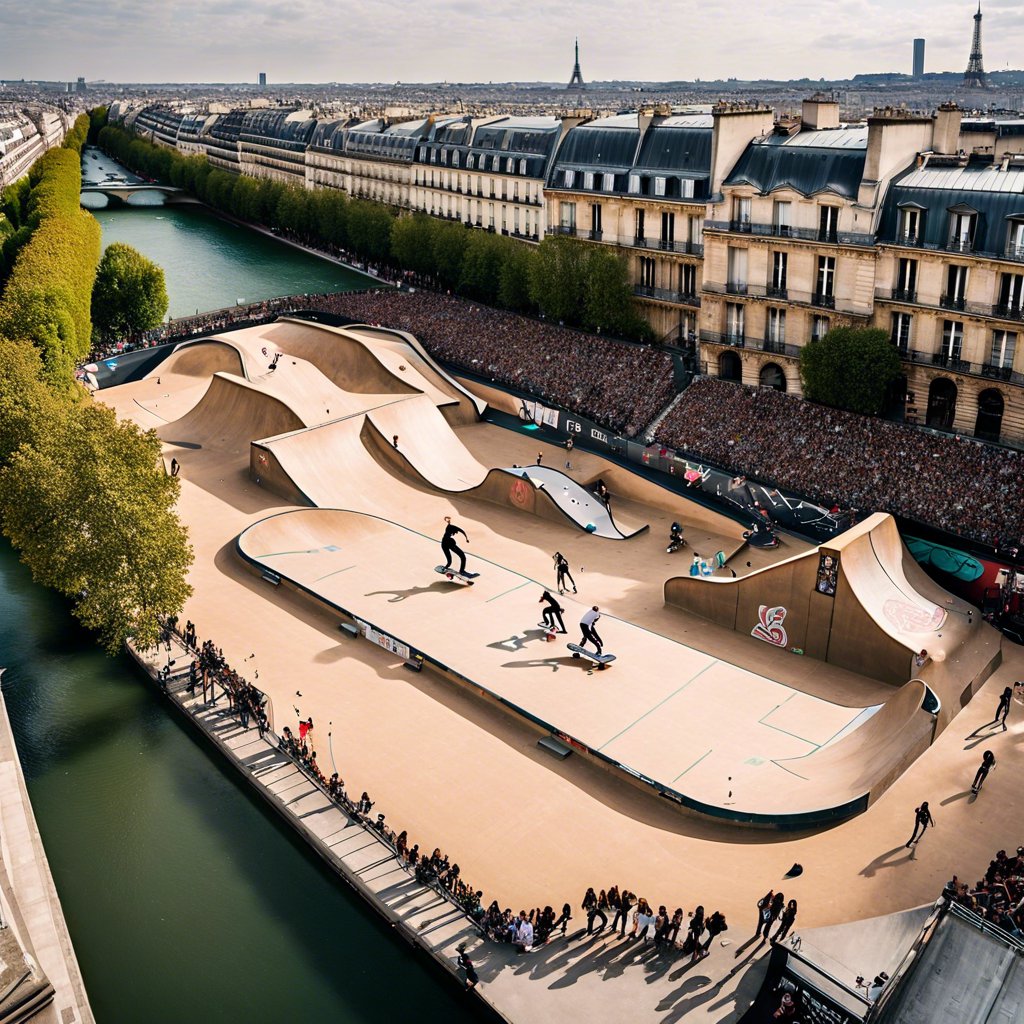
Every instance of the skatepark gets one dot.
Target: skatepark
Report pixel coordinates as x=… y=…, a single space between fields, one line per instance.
x=360 y=424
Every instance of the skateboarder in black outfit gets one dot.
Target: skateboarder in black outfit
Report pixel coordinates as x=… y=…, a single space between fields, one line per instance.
x=449 y=547
x=922 y=821
x=553 y=613
x=562 y=571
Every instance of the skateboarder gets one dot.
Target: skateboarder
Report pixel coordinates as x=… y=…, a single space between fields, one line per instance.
x=552 y=613
x=1004 y=706
x=922 y=821
x=449 y=547
x=988 y=762
x=587 y=624
x=562 y=573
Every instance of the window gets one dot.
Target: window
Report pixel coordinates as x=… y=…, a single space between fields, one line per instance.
x=634 y=184
x=819 y=327
x=686 y=188
x=470 y=161
x=826 y=279
x=490 y=214
x=567 y=212
x=697 y=230
x=568 y=177
x=455 y=159
x=737 y=282
x=659 y=186
x=1011 y=295
x=901 y=324
x=648 y=272
x=1004 y=344
x=962 y=221
x=828 y=224
x=956 y=287
x=741 y=213
x=588 y=180
x=911 y=220
x=734 y=322
x=906 y=281
x=638 y=231
x=775 y=334
x=595 y=220
x=780 y=218
x=688 y=279
x=522 y=166
x=1015 y=241
x=515 y=220
x=780 y=266
x=952 y=340
x=668 y=230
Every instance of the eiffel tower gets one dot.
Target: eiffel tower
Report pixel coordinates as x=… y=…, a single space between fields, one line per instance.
x=974 y=76
x=577 y=75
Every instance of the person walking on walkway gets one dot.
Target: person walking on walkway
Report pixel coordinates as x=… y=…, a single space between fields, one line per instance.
x=562 y=573
x=552 y=614
x=472 y=978
x=594 y=912
x=716 y=925
x=764 y=908
x=988 y=762
x=1004 y=707
x=626 y=903
x=449 y=547
x=785 y=921
x=564 y=918
x=922 y=821
x=588 y=626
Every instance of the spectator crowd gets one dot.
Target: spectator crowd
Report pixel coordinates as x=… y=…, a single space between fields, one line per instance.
x=999 y=896
x=830 y=456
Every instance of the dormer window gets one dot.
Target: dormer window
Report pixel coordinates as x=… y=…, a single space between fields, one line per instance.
x=963 y=221
x=568 y=177
x=741 y=213
x=911 y=226
x=1015 y=238
x=470 y=161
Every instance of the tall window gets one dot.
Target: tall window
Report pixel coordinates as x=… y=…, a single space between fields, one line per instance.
x=776 y=330
x=1004 y=344
x=737 y=282
x=697 y=230
x=956 y=287
x=901 y=325
x=741 y=213
x=906 y=281
x=568 y=215
x=688 y=278
x=638 y=230
x=1015 y=241
x=952 y=339
x=780 y=217
x=780 y=267
x=911 y=220
x=961 y=229
x=595 y=218
x=828 y=223
x=668 y=230
x=648 y=272
x=490 y=214
x=734 y=322
x=1011 y=294
x=825 y=280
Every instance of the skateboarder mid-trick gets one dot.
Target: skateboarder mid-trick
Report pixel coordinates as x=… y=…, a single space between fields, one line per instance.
x=552 y=614
x=587 y=624
x=449 y=547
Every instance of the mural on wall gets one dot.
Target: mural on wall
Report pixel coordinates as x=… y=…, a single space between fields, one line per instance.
x=828 y=574
x=911 y=618
x=770 y=628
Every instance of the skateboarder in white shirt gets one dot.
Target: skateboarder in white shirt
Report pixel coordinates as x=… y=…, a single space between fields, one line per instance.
x=587 y=624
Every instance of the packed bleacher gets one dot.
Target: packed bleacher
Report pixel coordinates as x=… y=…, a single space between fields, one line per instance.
x=834 y=457
x=999 y=896
x=619 y=385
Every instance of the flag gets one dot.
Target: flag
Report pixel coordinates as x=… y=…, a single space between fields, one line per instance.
x=303 y=729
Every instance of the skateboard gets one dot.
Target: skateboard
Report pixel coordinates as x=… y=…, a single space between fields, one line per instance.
x=454 y=576
x=602 y=661
x=549 y=631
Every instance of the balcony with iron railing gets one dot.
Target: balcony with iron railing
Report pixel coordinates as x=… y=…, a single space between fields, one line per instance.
x=644 y=291
x=733 y=339
x=1013 y=250
x=776 y=346
x=822 y=235
x=958 y=302
x=824 y=300
x=999 y=310
x=792 y=296
x=952 y=361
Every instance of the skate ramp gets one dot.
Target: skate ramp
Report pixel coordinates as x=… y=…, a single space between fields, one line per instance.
x=884 y=610
x=200 y=359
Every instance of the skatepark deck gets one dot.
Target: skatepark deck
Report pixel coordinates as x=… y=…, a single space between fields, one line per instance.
x=714 y=737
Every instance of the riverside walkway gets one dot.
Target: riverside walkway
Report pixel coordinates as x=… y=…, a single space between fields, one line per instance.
x=564 y=979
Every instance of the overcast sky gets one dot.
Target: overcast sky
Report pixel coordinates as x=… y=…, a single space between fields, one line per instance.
x=481 y=41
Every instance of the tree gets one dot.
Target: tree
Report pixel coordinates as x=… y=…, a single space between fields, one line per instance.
x=91 y=511
x=412 y=243
x=608 y=303
x=850 y=368
x=449 y=252
x=557 y=278
x=129 y=295
x=514 y=280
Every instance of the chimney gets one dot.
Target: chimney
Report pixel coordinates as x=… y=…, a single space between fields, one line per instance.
x=735 y=125
x=946 y=132
x=895 y=137
x=820 y=111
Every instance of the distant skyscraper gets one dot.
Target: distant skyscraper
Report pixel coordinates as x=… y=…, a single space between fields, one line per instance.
x=263 y=79
x=974 y=76
x=80 y=84
x=577 y=75
x=918 y=58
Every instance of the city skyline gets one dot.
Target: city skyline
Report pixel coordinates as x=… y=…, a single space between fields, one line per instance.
x=453 y=40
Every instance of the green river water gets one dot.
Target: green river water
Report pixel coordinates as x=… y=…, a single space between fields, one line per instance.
x=186 y=900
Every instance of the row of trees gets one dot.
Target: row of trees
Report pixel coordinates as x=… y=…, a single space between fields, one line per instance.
x=83 y=497
x=562 y=278
x=851 y=368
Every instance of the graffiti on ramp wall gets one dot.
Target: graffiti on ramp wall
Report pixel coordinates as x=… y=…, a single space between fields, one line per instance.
x=769 y=627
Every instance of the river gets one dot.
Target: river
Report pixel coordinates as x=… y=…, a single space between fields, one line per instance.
x=185 y=898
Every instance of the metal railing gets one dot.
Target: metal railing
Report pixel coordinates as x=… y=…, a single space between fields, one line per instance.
x=827 y=237
x=733 y=340
x=666 y=295
x=991 y=371
x=761 y=291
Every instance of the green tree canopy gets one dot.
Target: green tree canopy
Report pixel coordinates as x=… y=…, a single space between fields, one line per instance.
x=850 y=368
x=129 y=295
